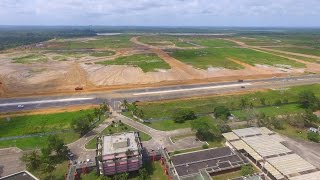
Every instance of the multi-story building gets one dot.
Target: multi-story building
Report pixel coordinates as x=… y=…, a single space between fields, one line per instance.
x=119 y=153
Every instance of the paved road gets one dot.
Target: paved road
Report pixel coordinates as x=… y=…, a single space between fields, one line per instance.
x=162 y=138
x=151 y=94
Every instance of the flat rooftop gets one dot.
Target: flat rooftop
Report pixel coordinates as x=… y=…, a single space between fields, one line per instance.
x=210 y=160
x=23 y=175
x=265 y=146
x=119 y=143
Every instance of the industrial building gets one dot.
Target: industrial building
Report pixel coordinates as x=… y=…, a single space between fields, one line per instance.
x=203 y=164
x=119 y=153
x=265 y=149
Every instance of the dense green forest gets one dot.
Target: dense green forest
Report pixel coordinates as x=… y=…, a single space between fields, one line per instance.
x=13 y=36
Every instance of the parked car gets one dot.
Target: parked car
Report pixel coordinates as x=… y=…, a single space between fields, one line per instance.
x=20 y=106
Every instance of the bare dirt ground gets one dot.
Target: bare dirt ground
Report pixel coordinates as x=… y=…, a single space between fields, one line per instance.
x=59 y=77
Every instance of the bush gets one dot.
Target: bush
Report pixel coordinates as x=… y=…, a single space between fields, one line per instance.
x=205 y=146
x=315 y=137
x=221 y=112
x=182 y=115
x=277 y=102
x=246 y=170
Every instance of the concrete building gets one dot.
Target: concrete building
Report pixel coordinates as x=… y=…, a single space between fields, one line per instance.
x=265 y=149
x=119 y=153
x=203 y=164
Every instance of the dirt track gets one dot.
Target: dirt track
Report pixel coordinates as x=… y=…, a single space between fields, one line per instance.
x=183 y=69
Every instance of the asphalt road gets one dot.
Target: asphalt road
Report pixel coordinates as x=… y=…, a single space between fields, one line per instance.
x=151 y=94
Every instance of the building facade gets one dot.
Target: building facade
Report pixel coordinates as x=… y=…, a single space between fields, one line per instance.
x=119 y=153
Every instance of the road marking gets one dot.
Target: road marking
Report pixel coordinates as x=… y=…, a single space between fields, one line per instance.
x=46 y=101
x=192 y=89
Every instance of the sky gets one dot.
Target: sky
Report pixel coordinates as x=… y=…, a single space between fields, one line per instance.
x=284 y=13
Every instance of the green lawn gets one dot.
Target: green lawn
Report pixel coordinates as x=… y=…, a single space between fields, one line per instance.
x=207 y=104
x=33 y=124
x=168 y=125
x=117 y=129
x=218 y=57
x=30 y=58
x=37 y=142
x=147 y=62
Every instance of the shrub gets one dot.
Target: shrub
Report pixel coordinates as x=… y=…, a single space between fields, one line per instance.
x=182 y=115
x=246 y=170
x=221 y=112
x=315 y=137
x=205 y=146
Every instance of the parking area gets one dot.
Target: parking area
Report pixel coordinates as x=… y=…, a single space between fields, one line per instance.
x=10 y=161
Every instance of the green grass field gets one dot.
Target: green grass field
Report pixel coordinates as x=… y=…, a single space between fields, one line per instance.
x=33 y=124
x=102 y=53
x=205 y=58
x=207 y=104
x=213 y=42
x=117 y=41
x=313 y=60
x=147 y=62
x=165 y=41
x=307 y=51
x=218 y=57
x=31 y=58
x=122 y=128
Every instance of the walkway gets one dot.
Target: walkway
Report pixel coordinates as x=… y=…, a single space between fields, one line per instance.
x=162 y=138
x=78 y=147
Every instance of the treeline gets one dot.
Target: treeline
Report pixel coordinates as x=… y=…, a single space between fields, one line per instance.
x=14 y=36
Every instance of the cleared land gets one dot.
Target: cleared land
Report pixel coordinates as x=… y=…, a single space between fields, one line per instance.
x=147 y=62
x=61 y=65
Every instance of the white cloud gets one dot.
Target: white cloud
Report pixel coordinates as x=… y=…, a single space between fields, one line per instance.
x=152 y=12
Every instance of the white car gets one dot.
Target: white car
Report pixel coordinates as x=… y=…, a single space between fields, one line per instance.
x=20 y=106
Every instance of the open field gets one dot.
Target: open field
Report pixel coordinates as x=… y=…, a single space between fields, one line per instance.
x=34 y=124
x=147 y=62
x=307 y=51
x=57 y=174
x=166 y=41
x=213 y=42
x=121 y=41
x=207 y=104
x=218 y=57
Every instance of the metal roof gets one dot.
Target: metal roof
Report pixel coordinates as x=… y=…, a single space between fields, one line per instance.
x=291 y=164
x=310 y=176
